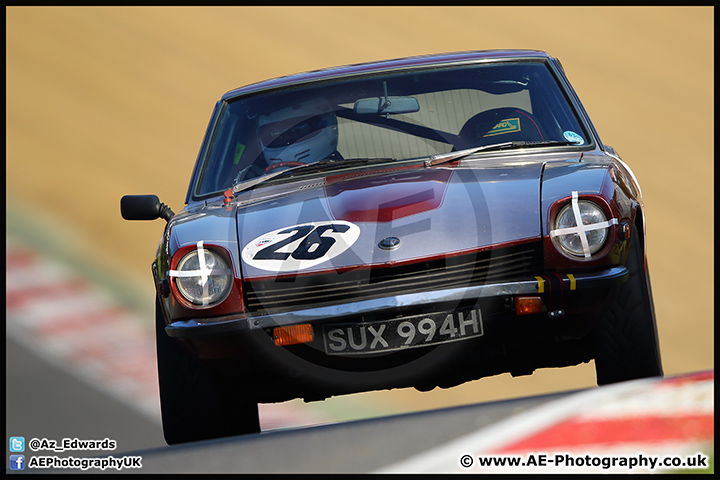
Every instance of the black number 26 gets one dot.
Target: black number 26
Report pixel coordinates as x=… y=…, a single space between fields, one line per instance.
x=313 y=246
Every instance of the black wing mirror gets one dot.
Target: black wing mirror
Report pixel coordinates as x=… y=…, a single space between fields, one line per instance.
x=144 y=207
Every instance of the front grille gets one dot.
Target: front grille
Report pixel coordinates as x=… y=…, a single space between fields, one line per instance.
x=362 y=283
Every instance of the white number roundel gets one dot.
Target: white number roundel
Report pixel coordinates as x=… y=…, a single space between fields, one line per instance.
x=290 y=249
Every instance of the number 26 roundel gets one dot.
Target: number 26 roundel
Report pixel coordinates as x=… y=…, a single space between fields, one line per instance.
x=290 y=249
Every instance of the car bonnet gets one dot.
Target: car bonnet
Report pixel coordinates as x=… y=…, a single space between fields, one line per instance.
x=388 y=217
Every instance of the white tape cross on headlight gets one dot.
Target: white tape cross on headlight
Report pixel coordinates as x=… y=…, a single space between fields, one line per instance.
x=203 y=272
x=580 y=229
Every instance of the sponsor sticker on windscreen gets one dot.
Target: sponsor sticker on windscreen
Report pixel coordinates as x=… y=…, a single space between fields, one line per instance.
x=504 y=126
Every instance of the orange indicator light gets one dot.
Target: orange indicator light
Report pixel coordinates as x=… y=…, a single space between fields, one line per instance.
x=293 y=334
x=528 y=305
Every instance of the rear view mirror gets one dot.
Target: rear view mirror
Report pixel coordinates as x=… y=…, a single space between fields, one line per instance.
x=384 y=105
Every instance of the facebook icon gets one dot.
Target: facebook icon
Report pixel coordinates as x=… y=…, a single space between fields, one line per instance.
x=17 y=462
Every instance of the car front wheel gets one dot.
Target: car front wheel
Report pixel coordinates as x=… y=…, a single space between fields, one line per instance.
x=196 y=403
x=626 y=340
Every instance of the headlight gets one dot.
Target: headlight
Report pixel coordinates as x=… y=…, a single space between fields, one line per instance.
x=203 y=280
x=595 y=228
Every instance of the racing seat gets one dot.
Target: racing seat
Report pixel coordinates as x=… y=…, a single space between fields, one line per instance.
x=498 y=125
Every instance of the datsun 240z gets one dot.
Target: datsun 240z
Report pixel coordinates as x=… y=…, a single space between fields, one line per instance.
x=417 y=222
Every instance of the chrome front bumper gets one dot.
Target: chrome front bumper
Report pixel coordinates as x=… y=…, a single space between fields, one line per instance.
x=208 y=327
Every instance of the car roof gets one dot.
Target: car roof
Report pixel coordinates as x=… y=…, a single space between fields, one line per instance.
x=384 y=65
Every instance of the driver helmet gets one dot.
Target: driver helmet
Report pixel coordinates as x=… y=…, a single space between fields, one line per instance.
x=304 y=132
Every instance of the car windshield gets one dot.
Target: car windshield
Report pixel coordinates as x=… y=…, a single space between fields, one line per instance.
x=407 y=114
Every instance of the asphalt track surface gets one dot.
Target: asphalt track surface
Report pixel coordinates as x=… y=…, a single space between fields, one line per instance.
x=77 y=409
x=660 y=417
x=360 y=446
x=103 y=102
x=82 y=411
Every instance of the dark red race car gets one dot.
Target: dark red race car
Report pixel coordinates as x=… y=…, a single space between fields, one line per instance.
x=415 y=222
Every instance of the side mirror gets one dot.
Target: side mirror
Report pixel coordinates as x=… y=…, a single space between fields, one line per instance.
x=144 y=207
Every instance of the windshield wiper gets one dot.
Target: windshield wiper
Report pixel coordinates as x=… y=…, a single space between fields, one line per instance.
x=448 y=157
x=322 y=165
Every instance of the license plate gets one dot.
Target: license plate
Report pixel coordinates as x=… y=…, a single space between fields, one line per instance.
x=401 y=333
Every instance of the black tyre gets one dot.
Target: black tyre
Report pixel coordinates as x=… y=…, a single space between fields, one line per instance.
x=196 y=403
x=626 y=340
